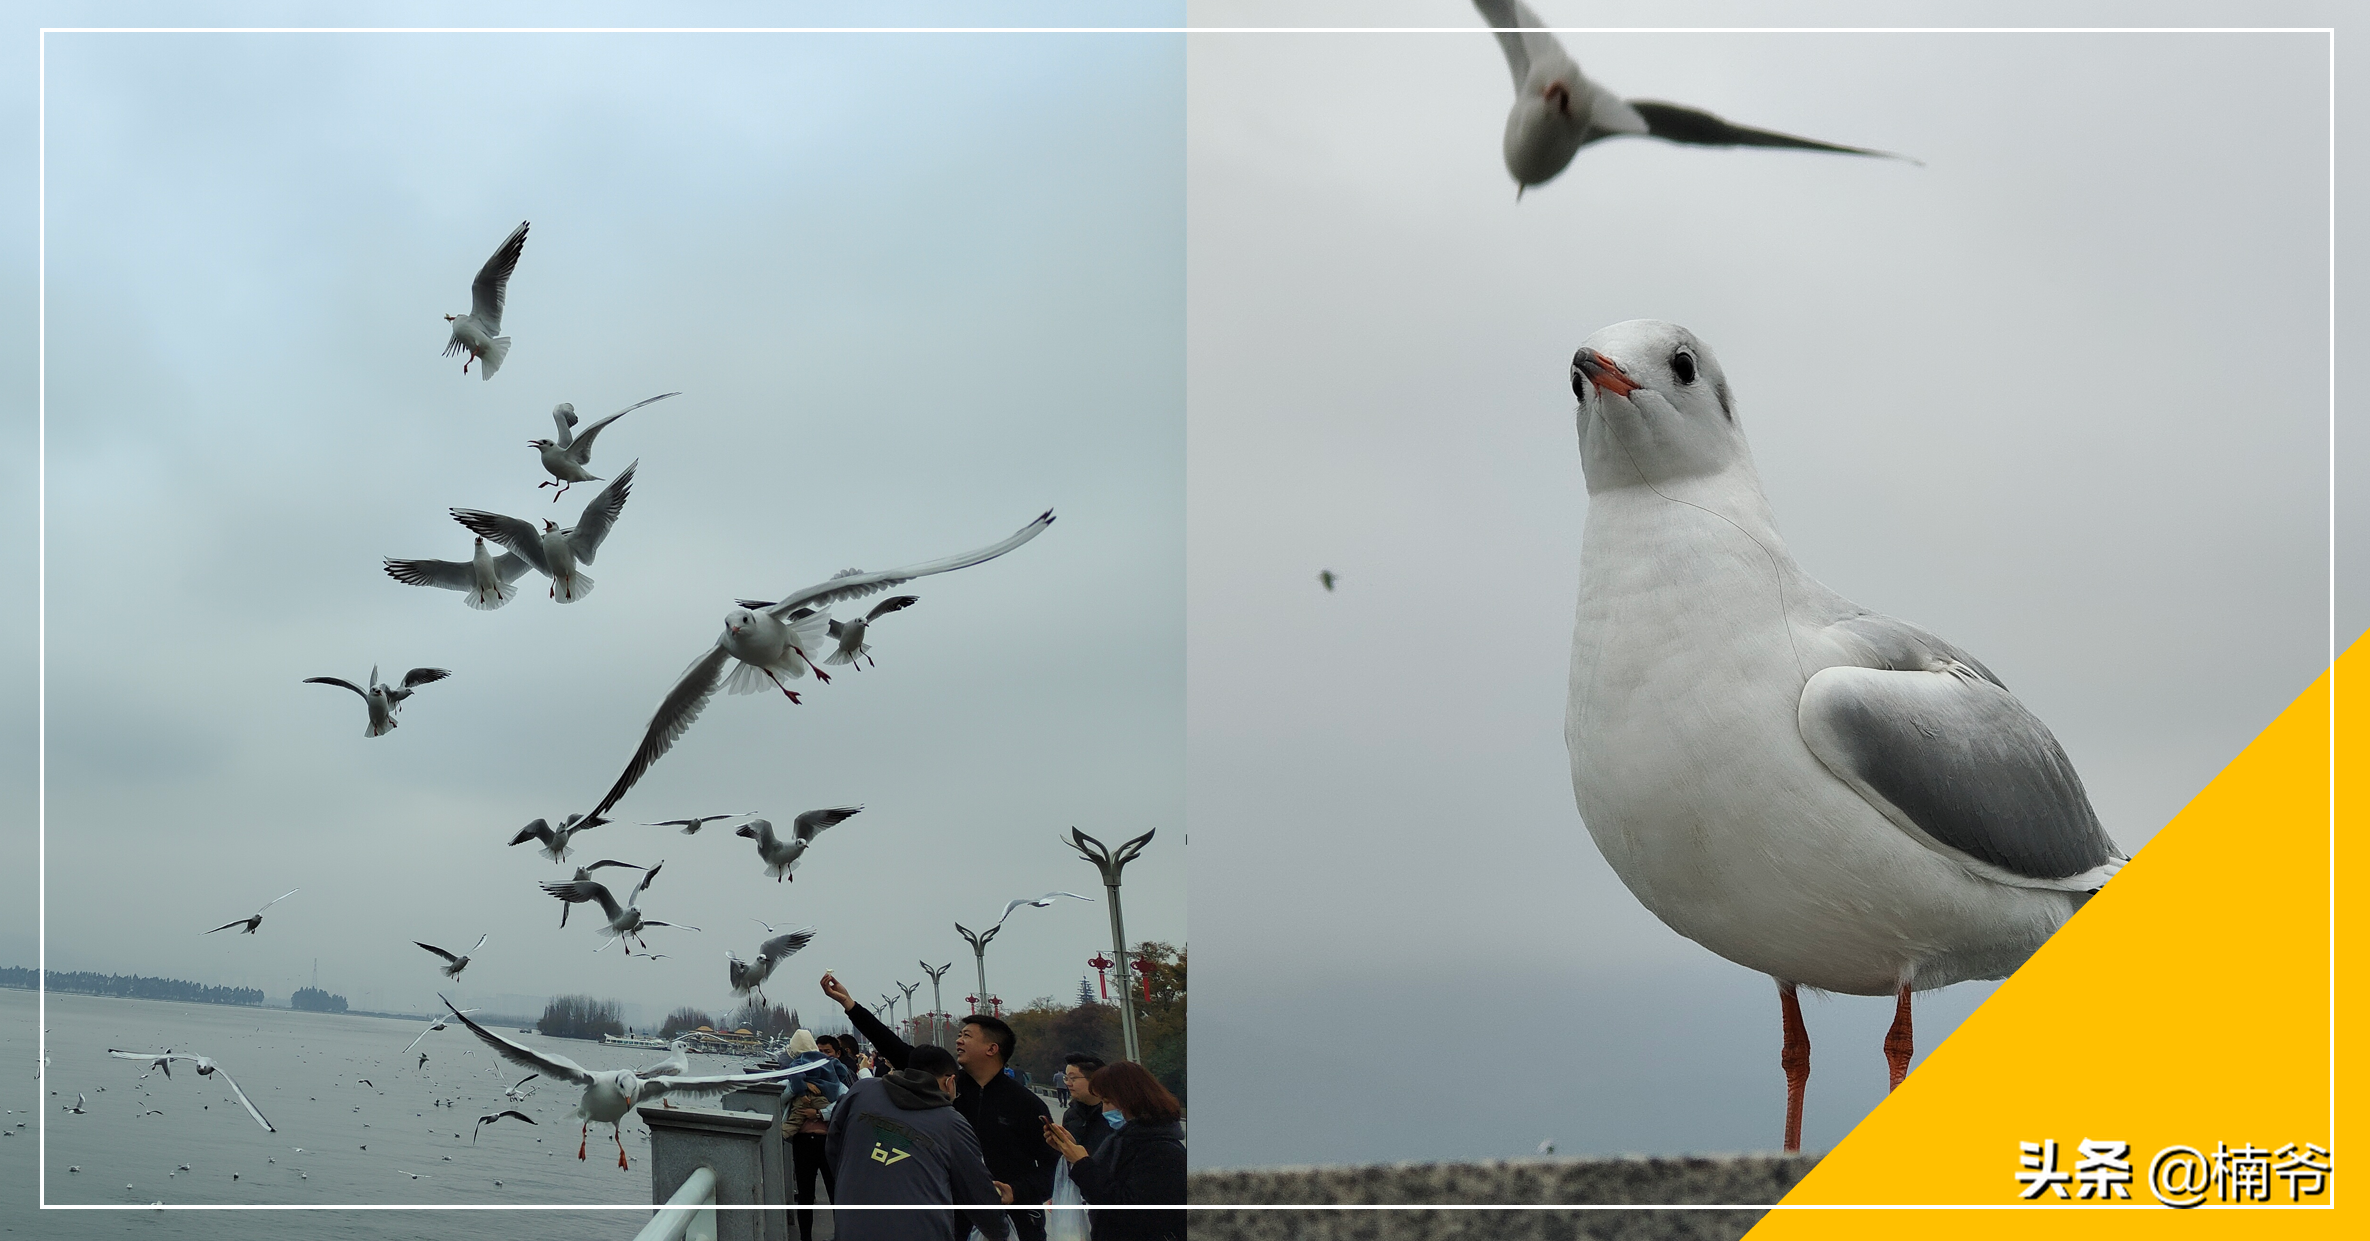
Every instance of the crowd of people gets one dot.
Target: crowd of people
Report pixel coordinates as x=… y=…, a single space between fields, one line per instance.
x=959 y=1137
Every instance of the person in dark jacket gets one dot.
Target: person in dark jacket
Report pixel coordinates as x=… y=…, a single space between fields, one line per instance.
x=1084 y=1117
x=896 y=1141
x=1006 y=1115
x=1142 y=1164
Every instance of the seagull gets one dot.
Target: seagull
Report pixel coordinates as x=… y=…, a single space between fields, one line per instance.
x=77 y=1108
x=1547 y=1146
x=565 y=458
x=505 y=1114
x=585 y=872
x=1558 y=110
x=518 y=1091
x=1325 y=578
x=454 y=965
x=484 y=580
x=691 y=826
x=478 y=333
x=1830 y=796
x=555 y=839
x=851 y=633
x=625 y=922
x=771 y=639
x=782 y=856
x=205 y=1067
x=383 y=700
x=434 y=1025
x=417 y=1176
x=609 y=1096
x=1042 y=902
x=751 y=976
x=551 y=551
x=251 y=922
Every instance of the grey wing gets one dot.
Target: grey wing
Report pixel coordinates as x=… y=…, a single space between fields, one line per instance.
x=647 y=877
x=521 y=537
x=580 y=451
x=585 y=538
x=574 y=890
x=421 y=676
x=657 y=1086
x=1956 y=761
x=612 y=862
x=1520 y=35
x=442 y=953
x=788 y=942
x=1696 y=127
x=854 y=584
x=448 y=574
x=548 y=1063
x=493 y=280
x=537 y=830
x=811 y=824
x=675 y=713
x=895 y=603
x=337 y=681
x=563 y=416
x=242 y=1097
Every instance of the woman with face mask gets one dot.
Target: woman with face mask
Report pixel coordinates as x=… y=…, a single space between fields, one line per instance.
x=1141 y=1163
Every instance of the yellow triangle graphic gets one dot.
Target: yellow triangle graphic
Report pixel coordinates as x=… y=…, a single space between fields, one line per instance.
x=2188 y=1004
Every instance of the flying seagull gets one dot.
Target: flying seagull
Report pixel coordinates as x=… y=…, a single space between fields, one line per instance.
x=519 y=1090
x=255 y=919
x=484 y=580
x=77 y=1107
x=478 y=333
x=771 y=641
x=454 y=965
x=1824 y=794
x=433 y=1026
x=782 y=856
x=609 y=1096
x=1041 y=902
x=850 y=634
x=555 y=839
x=505 y=1114
x=551 y=551
x=625 y=921
x=383 y=700
x=1326 y=578
x=585 y=872
x=1558 y=110
x=205 y=1067
x=751 y=976
x=691 y=826
x=568 y=457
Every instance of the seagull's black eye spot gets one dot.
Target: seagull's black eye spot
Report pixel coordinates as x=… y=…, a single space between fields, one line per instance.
x=1683 y=366
x=1579 y=380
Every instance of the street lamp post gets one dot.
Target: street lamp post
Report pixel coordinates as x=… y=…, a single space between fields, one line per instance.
x=909 y=988
x=937 y=1007
x=979 y=945
x=1111 y=862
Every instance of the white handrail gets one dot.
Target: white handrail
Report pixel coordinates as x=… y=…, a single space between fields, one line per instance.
x=688 y=1216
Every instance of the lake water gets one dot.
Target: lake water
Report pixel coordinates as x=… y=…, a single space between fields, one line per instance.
x=304 y=1071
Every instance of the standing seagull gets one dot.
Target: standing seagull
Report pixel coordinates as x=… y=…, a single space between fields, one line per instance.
x=770 y=640
x=781 y=856
x=382 y=700
x=568 y=458
x=551 y=551
x=555 y=839
x=251 y=922
x=478 y=333
x=1042 y=902
x=850 y=634
x=1830 y=796
x=609 y=1096
x=625 y=921
x=1557 y=110
x=750 y=976
x=454 y=965
x=205 y=1067
x=484 y=579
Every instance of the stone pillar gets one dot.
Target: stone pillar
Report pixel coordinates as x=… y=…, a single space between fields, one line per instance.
x=745 y=1150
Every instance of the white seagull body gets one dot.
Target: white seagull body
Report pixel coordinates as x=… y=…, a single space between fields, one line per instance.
x=569 y=457
x=453 y=965
x=850 y=634
x=479 y=333
x=751 y=975
x=254 y=920
x=1557 y=109
x=771 y=640
x=555 y=839
x=1830 y=796
x=609 y=1096
x=484 y=579
x=384 y=700
x=551 y=551
x=205 y=1067
x=625 y=921
x=782 y=856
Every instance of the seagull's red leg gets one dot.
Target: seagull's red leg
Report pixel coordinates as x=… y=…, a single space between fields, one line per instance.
x=1897 y=1041
x=769 y=675
x=620 y=1127
x=821 y=676
x=1795 y=1059
x=582 y=1138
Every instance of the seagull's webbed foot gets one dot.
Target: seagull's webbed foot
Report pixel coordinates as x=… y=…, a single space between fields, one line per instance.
x=786 y=691
x=621 y=1150
x=583 y=1137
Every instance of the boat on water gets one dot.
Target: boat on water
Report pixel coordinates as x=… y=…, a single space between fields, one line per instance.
x=633 y=1040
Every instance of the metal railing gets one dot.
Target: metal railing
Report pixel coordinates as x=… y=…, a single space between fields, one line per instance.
x=688 y=1216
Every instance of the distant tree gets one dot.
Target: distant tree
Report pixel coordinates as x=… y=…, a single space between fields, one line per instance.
x=581 y=1016
x=761 y=1019
x=1160 y=1021
x=134 y=986
x=315 y=1000
x=684 y=1019
x=1085 y=992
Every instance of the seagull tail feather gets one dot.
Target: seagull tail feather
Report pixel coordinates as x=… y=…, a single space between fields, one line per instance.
x=491 y=360
x=576 y=587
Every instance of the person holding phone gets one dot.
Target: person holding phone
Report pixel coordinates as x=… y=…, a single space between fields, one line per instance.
x=1142 y=1162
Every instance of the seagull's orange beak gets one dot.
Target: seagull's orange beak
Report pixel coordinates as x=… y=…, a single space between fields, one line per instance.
x=1604 y=372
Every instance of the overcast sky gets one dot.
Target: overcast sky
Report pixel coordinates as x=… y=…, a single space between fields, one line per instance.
x=914 y=290
x=2059 y=395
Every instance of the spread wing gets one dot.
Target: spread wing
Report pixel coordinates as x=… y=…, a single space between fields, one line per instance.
x=675 y=713
x=811 y=824
x=450 y=958
x=493 y=280
x=585 y=538
x=537 y=830
x=1695 y=127
x=783 y=945
x=580 y=450
x=421 y=676
x=337 y=681
x=1521 y=36
x=452 y=574
x=894 y=603
x=856 y=584
x=574 y=890
x=241 y=1095
x=550 y=1064
x=1933 y=741
x=521 y=537
x=656 y=1087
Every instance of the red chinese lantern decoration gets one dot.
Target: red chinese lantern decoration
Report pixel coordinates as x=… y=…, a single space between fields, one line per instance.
x=1099 y=963
x=973 y=1001
x=1144 y=967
